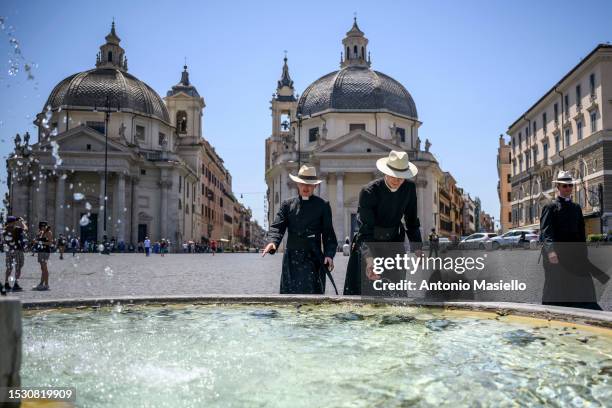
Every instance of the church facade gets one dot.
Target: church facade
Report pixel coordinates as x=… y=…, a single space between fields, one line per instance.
x=342 y=123
x=114 y=159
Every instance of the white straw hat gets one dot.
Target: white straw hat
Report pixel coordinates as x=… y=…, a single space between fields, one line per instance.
x=564 y=177
x=397 y=165
x=306 y=175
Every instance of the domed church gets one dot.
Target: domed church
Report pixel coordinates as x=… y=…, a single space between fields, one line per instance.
x=342 y=123
x=112 y=157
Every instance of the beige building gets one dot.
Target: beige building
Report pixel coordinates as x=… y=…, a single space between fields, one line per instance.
x=342 y=123
x=567 y=128
x=450 y=207
x=469 y=215
x=504 y=184
x=159 y=168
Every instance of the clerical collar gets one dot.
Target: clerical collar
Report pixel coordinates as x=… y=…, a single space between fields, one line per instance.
x=566 y=199
x=305 y=198
x=393 y=190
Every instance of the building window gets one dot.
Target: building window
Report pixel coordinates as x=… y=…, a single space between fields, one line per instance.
x=97 y=126
x=402 y=134
x=313 y=134
x=355 y=126
x=566 y=107
x=88 y=147
x=110 y=56
x=544 y=122
x=557 y=145
x=221 y=201
x=592 y=84
x=508 y=177
x=509 y=216
x=161 y=138
x=143 y=172
x=567 y=137
x=535 y=127
x=527 y=156
x=578 y=96
x=514 y=168
x=556 y=108
x=593 y=122
x=535 y=154
x=180 y=206
x=186 y=188
x=520 y=140
x=509 y=197
x=545 y=150
x=180 y=183
x=579 y=129
x=140 y=132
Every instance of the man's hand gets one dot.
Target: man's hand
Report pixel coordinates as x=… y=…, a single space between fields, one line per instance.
x=329 y=263
x=268 y=248
x=553 y=258
x=370 y=270
x=418 y=252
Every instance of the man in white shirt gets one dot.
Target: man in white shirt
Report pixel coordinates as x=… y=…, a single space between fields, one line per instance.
x=147 y=246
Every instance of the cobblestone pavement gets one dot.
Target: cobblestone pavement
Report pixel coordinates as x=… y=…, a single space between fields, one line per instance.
x=95 y=275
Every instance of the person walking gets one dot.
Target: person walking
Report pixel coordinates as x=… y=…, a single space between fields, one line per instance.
x=568 y=273
x=61 y=245
x=164 y=247
x=213 y=246
x=434 y=242
x=44 y=241
x=147 y=246
x=311 y=240
x=74 y=245
x=383 y=203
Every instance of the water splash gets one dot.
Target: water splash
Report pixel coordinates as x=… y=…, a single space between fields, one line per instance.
x=78 y=196
x=55 y=153
x=84 y=221
x=109 y=271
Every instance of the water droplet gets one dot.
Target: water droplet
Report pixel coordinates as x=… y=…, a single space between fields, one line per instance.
x=88 y=206
x=11 y=280
x=100 y=248
x=84 y=220
x=108 y=269
x=78 y=196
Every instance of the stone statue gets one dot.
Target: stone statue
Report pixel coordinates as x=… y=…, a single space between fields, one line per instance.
x=26 y=140
x=427 y=145
x=418 y=143
x=17 y=141
x=122 y=130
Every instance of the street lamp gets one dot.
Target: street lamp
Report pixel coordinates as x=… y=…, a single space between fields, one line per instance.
x=107 y=109
x=299 y=118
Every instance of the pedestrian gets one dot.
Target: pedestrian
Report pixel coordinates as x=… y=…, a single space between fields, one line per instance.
x=164 y=246
x=434 y=242
x=147 y=246
x=14 y=236
x=382 y=205
x=213 y=246
x=568 y=273
x=44 y=240
x=74 y=245
x=308 y=222
x=61 y=245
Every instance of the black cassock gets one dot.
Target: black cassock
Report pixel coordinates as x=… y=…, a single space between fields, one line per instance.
x=308 y=224
x=568 y=283
x=380 y=215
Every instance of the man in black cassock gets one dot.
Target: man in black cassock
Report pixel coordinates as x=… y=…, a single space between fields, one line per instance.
x=308 y=220
x=383 y=203
x=568 y=271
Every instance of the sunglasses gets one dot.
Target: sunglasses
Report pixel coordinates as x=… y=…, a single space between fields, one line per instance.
x=566 y=185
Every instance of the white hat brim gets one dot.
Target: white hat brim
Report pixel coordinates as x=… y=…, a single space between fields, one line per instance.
x=565 y=182
x=381 y=164
x=297 y=179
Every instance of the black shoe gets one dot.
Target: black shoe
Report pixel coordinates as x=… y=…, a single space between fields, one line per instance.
x=7 y=287
x=16 y=287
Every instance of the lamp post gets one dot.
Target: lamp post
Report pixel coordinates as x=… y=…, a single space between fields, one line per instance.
x=299 y=118
x=107 y=109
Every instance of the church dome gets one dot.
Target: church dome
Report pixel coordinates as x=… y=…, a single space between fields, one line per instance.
x=110 y=79
x=89 y=89
x=357 y=88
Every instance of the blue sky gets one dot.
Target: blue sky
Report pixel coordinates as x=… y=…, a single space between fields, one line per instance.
x=472 y=67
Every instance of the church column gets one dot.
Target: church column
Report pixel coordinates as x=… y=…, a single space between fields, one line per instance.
x=60 y=192
x=340 y=205
x=32 y=210
x=323 y=186
x=134 y=231
x=42 y=195
x=163 y=215
x=120 y=215
x=101 y=208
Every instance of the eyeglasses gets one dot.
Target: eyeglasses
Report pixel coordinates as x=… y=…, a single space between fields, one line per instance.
x=566 y=185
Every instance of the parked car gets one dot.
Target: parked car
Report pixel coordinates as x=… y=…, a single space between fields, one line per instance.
x=511 y=238
x=479 y=240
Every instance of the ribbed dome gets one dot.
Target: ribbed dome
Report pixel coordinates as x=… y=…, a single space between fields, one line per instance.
x=89 y=89
x=357 y=88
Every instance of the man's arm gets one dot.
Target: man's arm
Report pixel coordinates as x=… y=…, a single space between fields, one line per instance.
x=547 y=227
x=330 y=242
x=277 y=228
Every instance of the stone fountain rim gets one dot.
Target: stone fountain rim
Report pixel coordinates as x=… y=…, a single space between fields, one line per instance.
x=564 y=314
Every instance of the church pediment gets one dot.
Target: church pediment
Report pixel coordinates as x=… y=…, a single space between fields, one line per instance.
x=85 y=139
x=357 y=142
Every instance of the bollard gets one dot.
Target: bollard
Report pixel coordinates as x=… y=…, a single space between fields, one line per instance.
x=10 y=346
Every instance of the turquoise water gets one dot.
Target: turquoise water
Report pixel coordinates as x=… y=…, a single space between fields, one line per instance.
x=313 y=356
